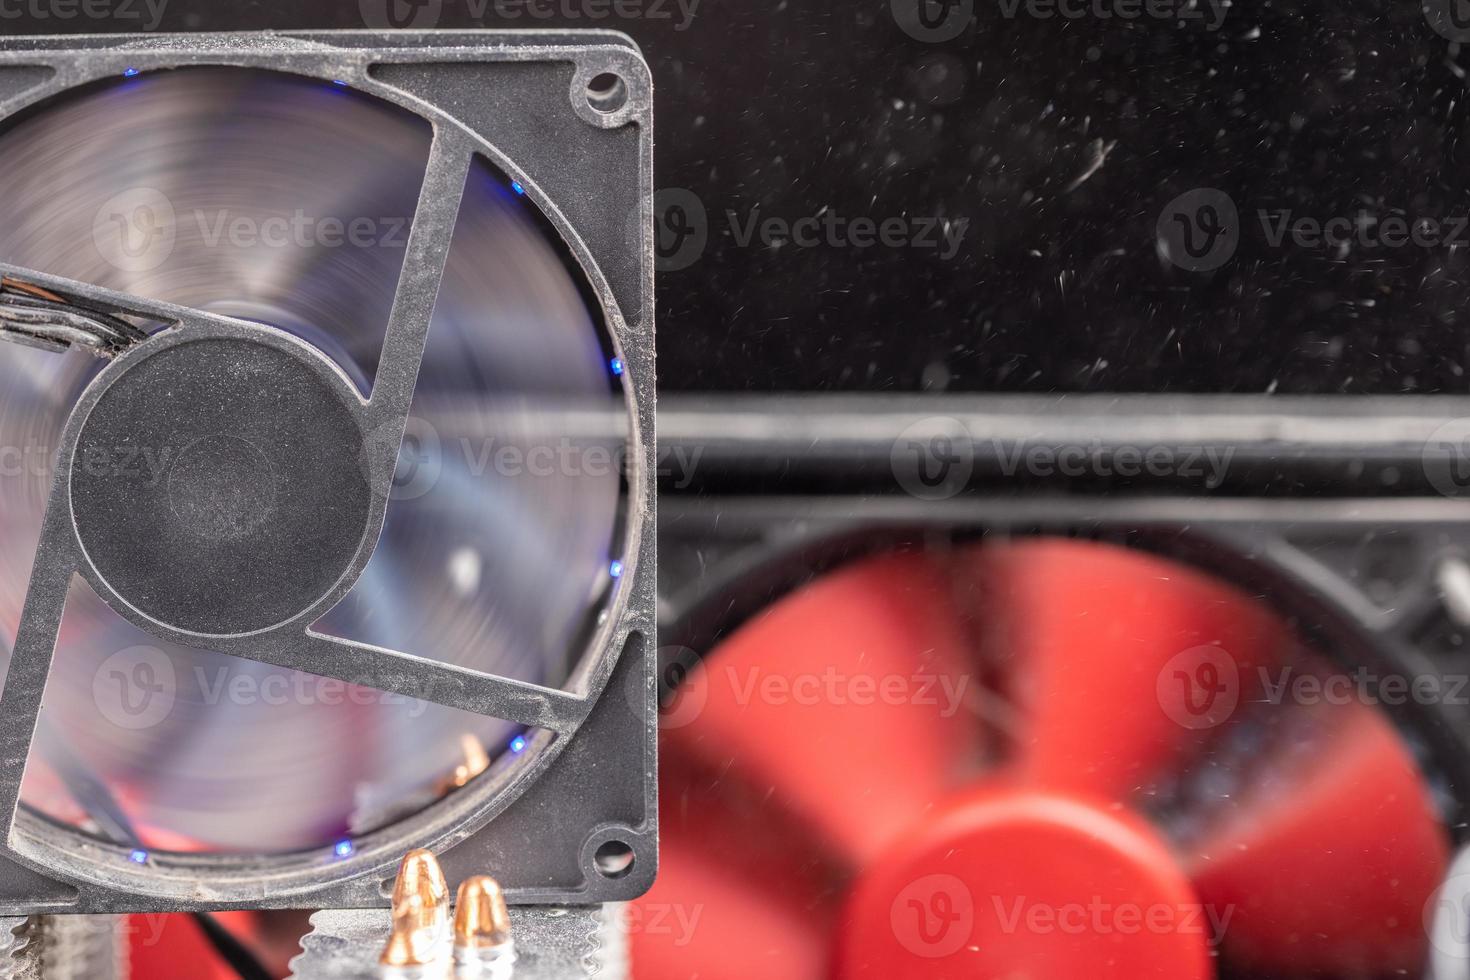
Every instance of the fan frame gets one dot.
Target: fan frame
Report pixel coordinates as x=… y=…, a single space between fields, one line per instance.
x=537 y=826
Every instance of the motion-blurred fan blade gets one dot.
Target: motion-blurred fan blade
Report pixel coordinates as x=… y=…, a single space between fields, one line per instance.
x=1087 y=640
x=286 y=201
x=1145 y=771
x=700 y=921
x=741 y=892
x=848 y=698
x=1326 y=851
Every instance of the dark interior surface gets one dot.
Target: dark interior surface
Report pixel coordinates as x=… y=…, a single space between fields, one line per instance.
x=1052 y=138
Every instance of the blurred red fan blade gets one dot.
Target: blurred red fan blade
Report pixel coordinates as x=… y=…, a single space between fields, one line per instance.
x=1328 y=852
x=705 y=919
x=1100 y=649
x=1138 y=686
x=845 y=700
x=741 y=892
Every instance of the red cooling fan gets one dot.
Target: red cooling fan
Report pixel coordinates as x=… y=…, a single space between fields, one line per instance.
x=1046 y=760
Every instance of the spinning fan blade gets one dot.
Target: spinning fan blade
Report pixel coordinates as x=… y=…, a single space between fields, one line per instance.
x=286 y=201
x=849 y=696
x=1327 y=852
x=1277 y=838
x=1081 y=635
x=740 y=892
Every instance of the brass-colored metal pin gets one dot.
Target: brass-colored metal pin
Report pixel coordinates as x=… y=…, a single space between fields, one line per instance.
x=410 y=945
x=481 y=920
x=476 y=760
x=420 y=875
x=420 y=913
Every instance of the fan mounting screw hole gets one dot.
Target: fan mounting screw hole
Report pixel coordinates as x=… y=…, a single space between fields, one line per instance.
x=607 y=92
x=614 y=859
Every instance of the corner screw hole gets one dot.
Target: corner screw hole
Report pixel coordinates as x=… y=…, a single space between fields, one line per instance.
x=614 y=859
x=607 y=92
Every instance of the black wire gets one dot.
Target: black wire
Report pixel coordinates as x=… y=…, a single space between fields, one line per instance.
x=230 y=949
x=98 y=802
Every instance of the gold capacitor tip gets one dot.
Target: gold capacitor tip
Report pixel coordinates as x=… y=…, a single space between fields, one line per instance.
x=411 y=943
x=420 y=875
x=476 y=761
x=481 y=920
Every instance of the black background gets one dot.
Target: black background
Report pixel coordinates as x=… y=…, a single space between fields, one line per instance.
x=792 y=106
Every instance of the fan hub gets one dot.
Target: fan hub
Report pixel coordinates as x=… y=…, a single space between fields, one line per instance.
x=217 y=484
x=1020 y=883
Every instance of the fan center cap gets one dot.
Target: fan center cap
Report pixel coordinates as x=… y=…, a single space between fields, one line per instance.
x=217 y=484
x=1016 y=883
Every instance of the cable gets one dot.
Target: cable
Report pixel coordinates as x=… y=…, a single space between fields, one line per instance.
x=235 y=953
x=37 y=317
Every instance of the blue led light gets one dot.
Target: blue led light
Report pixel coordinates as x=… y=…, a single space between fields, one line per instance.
x=338 y=81
x=515 y=185
x=615 y=569
x=129 y=72
x=617 y=366
x=343 y=849
x=139 y=856
x=518 y=744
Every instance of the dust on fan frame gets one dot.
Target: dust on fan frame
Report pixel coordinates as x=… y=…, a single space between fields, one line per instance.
x=621 y=371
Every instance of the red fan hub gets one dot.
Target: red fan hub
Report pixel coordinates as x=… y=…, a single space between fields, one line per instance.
x=1019 y=883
